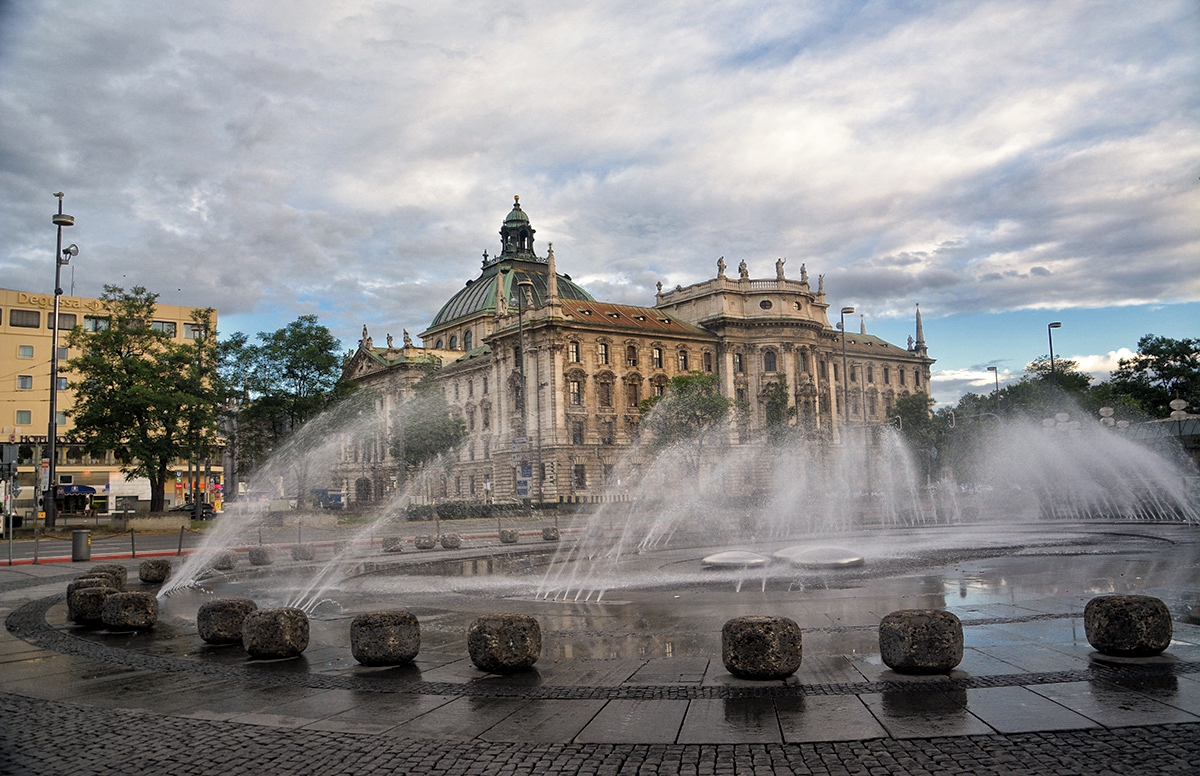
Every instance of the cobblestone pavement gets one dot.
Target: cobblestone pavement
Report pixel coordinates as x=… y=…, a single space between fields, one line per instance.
x=46 y=737
x=1031 y=699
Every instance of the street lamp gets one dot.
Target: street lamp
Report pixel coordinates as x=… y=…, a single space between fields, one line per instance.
x=61 y=256
x=524 y=288
x=996 y=392
x=845 y=376
x=1050 y=334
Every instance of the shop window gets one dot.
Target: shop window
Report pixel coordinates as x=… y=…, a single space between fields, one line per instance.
x=24 y=351
x=24 y=319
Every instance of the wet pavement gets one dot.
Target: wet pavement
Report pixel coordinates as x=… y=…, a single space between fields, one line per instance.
x=635 y=683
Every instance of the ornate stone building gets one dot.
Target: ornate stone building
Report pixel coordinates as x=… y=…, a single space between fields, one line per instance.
x=549 y=380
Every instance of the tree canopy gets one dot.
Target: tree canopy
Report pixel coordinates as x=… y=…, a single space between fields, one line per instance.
x=689 y=410
x=148 y=399
x=424 y=427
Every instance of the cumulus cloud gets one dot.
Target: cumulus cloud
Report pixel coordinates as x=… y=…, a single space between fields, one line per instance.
x=358 y=157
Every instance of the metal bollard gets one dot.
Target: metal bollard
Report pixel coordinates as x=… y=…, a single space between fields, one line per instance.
x=81 y=545
x=132 y=544
x=180 y=541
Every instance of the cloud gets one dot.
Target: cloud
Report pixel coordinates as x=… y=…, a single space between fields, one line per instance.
x=359 y=157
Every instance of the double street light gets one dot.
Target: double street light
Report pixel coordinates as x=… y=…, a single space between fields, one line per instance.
x=62 y=256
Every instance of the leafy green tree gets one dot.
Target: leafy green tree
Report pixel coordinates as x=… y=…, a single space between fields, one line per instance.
x=779 y=415
x=424 y=427
x=691 y=409
x=922 y=430
x=1163 y=369
x=140 y=394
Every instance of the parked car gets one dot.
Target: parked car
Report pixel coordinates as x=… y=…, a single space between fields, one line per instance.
x=206 y=509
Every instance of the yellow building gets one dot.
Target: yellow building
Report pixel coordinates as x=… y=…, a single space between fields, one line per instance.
x=84 y=481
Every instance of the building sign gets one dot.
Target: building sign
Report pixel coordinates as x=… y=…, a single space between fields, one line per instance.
x=524 y=475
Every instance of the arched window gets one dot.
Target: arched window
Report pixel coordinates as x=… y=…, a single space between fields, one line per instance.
x=438 y=345
x=467 y=341
x=769 y=364
x=454 y=342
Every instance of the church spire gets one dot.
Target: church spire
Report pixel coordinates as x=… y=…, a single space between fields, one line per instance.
x=551 y=277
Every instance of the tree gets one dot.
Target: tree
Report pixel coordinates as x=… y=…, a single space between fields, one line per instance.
x=921 y=429
x=149 y=400
x=1163 y=369
x=690 y=409
x=779 y=414
x=424 y=427
x=273 y=388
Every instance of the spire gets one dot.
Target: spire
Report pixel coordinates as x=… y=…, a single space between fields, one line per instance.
x=501 y=297
x=920 y=348
x=551 y=278
x=862 y=324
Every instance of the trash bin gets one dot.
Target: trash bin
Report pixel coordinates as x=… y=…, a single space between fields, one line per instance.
x=81 y=545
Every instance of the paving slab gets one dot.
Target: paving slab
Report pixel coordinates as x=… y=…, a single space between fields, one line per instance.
x=379 y=713
x=1113 y=706
x=635 y=722
x=917 y=714
x=730 y=720
x=544 y=721
x=461 y=718
x=1020 y=710
x=814 y=718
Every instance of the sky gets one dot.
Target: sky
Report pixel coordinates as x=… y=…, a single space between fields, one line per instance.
x=1002 y=164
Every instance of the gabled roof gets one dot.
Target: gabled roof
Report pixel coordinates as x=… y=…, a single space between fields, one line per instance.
x=647 y=320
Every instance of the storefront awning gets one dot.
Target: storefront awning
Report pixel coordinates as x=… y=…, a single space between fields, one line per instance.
x=76 y=490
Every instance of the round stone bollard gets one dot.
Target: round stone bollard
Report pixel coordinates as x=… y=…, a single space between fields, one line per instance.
x=509 y=536
x=424 y=542
x=129 y=611
x=221 y=621
x=1128 y=625
x=154 y=572
x=921 y=641
x=385 y=638
x=761 y=647
x=393 y=544
x=116 y=569
x=270 y=634
x=261 y=555
x=550 y=533
x=86 y=605
x=451 y=541
x=504 y=643
x=225 y=561
x=304 y=551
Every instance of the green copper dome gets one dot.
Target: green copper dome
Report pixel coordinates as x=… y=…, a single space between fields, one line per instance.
x=480 y=294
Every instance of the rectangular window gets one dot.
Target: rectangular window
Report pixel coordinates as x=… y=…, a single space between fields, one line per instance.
x=62 y=383
x=854 y=374
x=576 y=394
x=485 y=386
x=632 y=394
x=579 y=476
x=822 y=370
x=470 y=388
x=485 y=413
x=902 y=375
x=605 y=392
x=487 y=449
x=24 y=417
x=24 y=351
x=24 y=382
x=576 y=433
x=659 y=389
x=471 y=482
x=606 y=432
x=603 y=353
x=683 y=361
x=608 y=474
x=870 y=374
x=916 y=378
x=193 y=331
x=738 y=367
x=65 y=321
x=887 y=375
x=802 y=362
x=708 y=361
x=95 y=323
x=656 y=357
x=573 y=352
x=631 y=358
x=62 y=354
x=166 y=327
x=24 y=319
x=471 y=419
x=835 y=371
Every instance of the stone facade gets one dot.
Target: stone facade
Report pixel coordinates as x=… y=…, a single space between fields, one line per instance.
x=549 y=381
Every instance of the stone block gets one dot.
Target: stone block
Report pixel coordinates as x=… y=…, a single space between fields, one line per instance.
x=116 y=569
x=155 y=571
x=761 y=647
x=509 y=536
x=424 y=542
x=261 y=555
x=129 y=611
x=221 y=621
x=86 y=605
x=304 y=551
x=393 y=544
x=225 y=561
x=270 y=634
x=385 y=638
x=451 y=541
x=112 y=579
x=82 y=582
x=1128 y=625
x=504 y=643
x=550 y=533
x=921 y=641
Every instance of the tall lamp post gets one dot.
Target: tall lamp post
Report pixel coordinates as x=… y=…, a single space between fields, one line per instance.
x=523 y=287
x=845 y=375
x=61 y=256
x=996 y=391
x=1050 y=335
